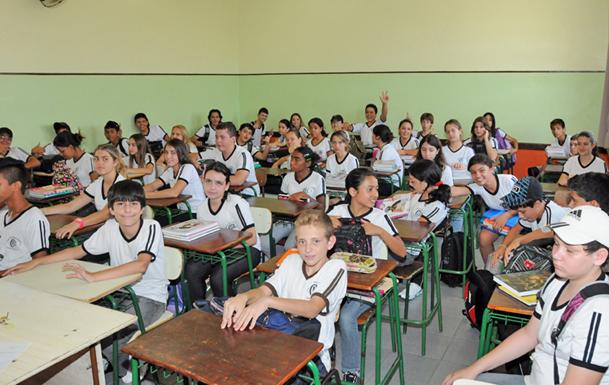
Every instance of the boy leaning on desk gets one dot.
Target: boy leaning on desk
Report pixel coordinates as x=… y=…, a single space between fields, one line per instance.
x=135 y=246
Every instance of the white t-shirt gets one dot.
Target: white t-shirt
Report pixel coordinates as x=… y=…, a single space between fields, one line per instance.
x=566 y=145
x=314 y=185
x=148 y=159
x=258 y=133
x=156 y=133
x=239 y=159
x=17 y=154
x=365 y=131
x=321 y=149
x=337 y=168
x=388 y=152
x=552 y=213
x=122 y=146
x=22 y=236
x=411 y=144
x=505 y=182
x=573 y=166
x=194 y=187
x=583 y=341
x=329 y=283
x=461 y=156
x=95 y=191
x=435 y=212
x=234 y=213
x=211 y=134
x=374 y=216
x=82 y=168
x=149 y=239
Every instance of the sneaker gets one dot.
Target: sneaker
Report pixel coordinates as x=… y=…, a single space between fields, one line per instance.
x=352 y=378
x=413 y=292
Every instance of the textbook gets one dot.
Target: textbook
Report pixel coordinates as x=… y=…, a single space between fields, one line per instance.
x=384 y=166
x=190 y=230
x=524 y=283
x=395 y=206
x=356 y=263
x=528 y=300
x=488 y=221
x=383 y=287
x=50 y=191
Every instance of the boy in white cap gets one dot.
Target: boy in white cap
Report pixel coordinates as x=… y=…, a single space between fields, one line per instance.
x=574 y=349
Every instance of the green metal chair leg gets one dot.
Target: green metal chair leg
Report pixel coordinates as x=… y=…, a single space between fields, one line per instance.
x=224 y=273
x=189 y=209
x=315 y=371
x=484 y=332
x=135 y=371
x=362 y=364
x=436 y=278
x=136 y=307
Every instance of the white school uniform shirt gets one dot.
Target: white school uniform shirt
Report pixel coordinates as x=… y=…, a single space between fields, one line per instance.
x=314 y=185
x=188 y=173
x=462 y=155
x=566 y=145
x=192 y=148
x=95 y=191
x=16 y=153
x=388 y=152
x=468 y=142
x=149 y=239
x=447 y=176
x=211 y=134
x=411 y=144
x=435 y=212
x=156 y=133
x=582 y=342
x=148 y=159
x=505 y=182
x=552 y=213
x=82 y=168
x=50 y=149
x=258 y=133
x=337 y=168
x=573 y=166
x=234 y=213
x=320 y=148
x=22 y=236
x=365 y=131
x=122 y=146
x=374 y=216
x=329 y=283
x=239 y=159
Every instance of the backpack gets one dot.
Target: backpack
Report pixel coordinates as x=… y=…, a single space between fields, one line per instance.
x=529 y=257
x=351 y=237
x=504 y=144
x=477 y=294
x=356 y=147
x=452 y=258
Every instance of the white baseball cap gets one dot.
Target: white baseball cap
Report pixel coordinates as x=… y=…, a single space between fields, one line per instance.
x=583 y=224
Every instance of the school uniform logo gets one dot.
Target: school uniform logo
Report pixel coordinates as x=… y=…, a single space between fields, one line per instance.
x=312 y=288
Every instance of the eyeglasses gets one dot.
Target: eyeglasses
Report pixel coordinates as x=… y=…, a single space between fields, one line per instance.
x=5 y=138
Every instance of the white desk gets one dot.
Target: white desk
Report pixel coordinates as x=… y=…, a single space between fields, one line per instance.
x=52 y=279
x=57 y=328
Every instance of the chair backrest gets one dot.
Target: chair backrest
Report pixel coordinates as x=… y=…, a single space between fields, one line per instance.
x=174 y=263
x=148 y=213
x=263 y=219
x=384 y=253
x=261 y=175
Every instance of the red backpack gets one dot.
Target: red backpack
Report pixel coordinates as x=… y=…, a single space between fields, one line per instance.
x=476 y=295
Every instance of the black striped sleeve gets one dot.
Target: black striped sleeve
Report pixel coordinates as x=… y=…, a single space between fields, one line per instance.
x=328 y=291
x=391 y=226
x=150 y=241
x=591 y=343
x=243 y=163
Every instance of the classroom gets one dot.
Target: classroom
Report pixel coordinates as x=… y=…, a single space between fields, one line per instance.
x=463 y=129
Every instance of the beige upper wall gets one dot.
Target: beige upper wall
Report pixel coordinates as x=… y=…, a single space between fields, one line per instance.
x=119 y=36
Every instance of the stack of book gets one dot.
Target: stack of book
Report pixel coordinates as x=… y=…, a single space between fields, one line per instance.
x=522 y=286
x=190 y=230
x=50 y=191
x=555 y=152
x=356 y=263
x=384 y=286
x=384 y=166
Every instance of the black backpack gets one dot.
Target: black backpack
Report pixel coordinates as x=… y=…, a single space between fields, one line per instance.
x=476 y=294
x=452 y=258
x=351 y=237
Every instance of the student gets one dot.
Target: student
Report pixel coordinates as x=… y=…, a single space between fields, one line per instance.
x=302 y=183
x=365 y=129
x=155 y=135
x=585 y=161
x=491 y=188
x=406 y=144
x=426 y=125
x=50 y=149
x=573 y=146
x=362 y=193
x=230 y=212
x=341 y=162
x=244 y=140
x=456 y=154
x=589 y=189
x=382 y=137
x=535 y=213
x=239 y=162
x=430 y=148
x=179 y=132
x=481 y=141
x=79 y=161
x=337 y=123
x=282 y=129
x=135 y=246
x=319 y=142
x=579 y=356
x=24 y=230
x=110 y=167
x=180 y=177
x=140 y=162
x=206 y=135
x=6 y=151
x=112 y=132
x=297 y=123
x=307 y=284
x=260 y=126
x=504 y=141
x=561 y=138
x=294 y=141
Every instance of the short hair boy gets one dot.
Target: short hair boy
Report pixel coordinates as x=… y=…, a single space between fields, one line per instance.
x=589 y=189
x=6 y=151
x=24 y=230
x=306 y=284
x=337 y=122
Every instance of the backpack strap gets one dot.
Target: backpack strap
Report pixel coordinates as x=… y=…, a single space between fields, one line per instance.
x=589 y=291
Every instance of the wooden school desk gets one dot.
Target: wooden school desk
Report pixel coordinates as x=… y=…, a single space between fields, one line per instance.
x=238 y=189
x=282 y=208
x=194 y=346
x=501 y=308
x=57 y=328
x=163 y=205
x=49 y=201
x=57 y=221
x=217 y=247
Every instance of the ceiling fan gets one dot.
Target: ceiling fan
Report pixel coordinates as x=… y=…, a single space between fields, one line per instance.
x=50 y=3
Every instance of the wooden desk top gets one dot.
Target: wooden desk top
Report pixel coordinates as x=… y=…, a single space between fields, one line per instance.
x=552 y=188
x=194 y=345
x=56 y=221
x=212 y=243
x=366 y=282
x=282 y=207
x=241 y=187
x=57 y=328
x=52 y=279
x=553 y=168
x=413 y=231
x=501 y=301
x=166 y=202
x=457 y=202
x=274 y=171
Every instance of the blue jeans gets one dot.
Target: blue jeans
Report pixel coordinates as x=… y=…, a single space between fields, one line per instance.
x=349 y=334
